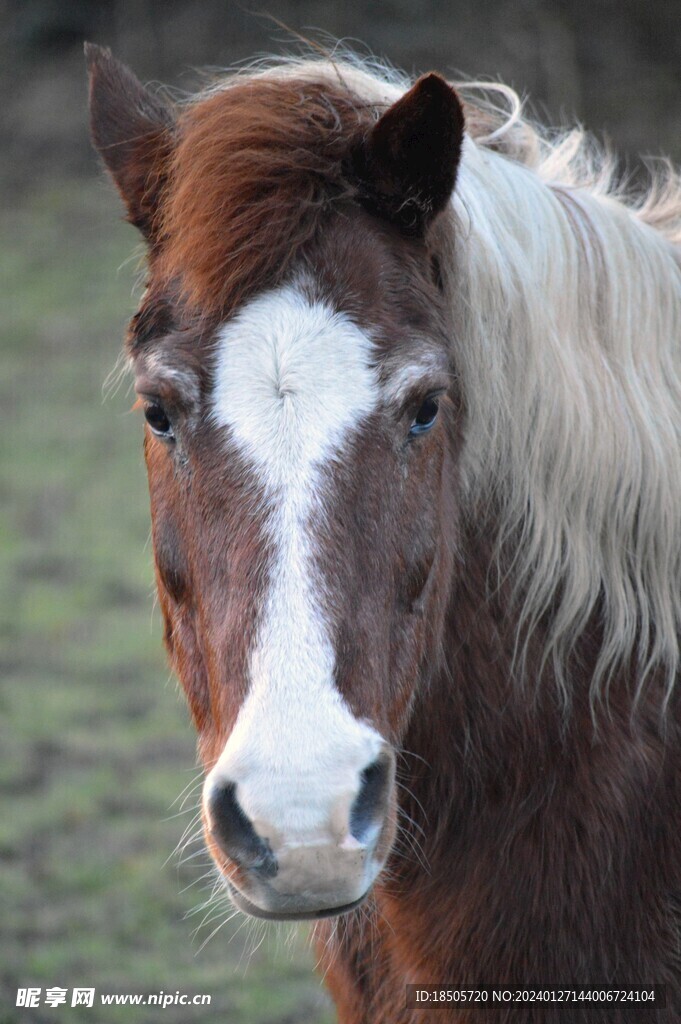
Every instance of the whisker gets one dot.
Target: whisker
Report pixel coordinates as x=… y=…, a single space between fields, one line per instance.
x=215 y=931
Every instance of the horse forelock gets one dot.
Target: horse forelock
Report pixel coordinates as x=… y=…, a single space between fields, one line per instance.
x=256 y=167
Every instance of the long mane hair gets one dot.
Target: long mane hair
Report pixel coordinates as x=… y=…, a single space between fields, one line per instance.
x=569 y=293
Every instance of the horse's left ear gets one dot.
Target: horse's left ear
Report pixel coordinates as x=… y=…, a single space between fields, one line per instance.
x=406 y=166
x=132 y=131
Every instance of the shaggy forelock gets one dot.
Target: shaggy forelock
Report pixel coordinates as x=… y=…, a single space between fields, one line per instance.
x=256 y=167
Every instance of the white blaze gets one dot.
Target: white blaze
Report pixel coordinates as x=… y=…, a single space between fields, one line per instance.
x=294 y=380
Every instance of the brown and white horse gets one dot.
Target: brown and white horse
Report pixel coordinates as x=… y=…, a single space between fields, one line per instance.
x=411 y=370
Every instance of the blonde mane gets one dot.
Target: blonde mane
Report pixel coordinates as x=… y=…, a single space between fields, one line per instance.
x=565 y=295
x=568 y=296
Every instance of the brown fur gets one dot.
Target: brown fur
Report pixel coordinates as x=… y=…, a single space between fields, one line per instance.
x=552 y=850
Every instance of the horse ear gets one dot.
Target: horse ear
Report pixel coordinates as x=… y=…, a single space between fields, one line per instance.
x=407 y=164
x=132 y=132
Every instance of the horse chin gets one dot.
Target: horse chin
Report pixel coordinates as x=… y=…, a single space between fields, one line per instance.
x=242 y=903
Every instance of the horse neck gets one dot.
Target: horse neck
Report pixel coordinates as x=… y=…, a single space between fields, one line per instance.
x=504 y=789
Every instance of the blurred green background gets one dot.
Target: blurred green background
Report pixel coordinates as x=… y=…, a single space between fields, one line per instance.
x=96 y=746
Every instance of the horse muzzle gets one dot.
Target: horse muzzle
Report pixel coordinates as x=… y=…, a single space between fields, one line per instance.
x=309 y=846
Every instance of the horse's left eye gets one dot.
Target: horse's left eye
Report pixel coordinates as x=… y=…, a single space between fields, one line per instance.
x=426 y=416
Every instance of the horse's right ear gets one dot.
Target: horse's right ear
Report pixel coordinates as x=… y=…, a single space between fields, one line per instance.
x=132 y=130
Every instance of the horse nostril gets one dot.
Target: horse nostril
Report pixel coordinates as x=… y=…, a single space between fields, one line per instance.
x=236 y=835
x=371 y=803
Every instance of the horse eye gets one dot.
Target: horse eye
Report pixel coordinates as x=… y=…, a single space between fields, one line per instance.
x=157 y=419
x=426 y=416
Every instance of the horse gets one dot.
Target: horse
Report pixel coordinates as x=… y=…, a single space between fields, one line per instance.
x=410 y=366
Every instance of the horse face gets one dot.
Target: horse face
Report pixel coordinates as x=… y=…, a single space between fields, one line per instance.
x=301 y=501
x=298 y=452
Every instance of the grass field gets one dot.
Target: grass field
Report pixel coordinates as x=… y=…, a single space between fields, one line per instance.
x=95 y=740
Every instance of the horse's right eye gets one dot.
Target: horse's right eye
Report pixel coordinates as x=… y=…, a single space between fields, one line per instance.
x=158 y=420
